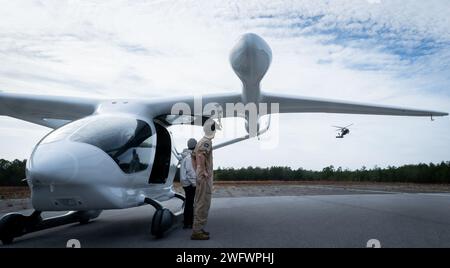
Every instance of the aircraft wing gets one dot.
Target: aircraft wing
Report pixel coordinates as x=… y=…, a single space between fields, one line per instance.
x=49 y=111
x=54 y=111
x=294 y=104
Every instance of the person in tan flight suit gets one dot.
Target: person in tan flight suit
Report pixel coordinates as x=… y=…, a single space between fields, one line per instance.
x=203 y=164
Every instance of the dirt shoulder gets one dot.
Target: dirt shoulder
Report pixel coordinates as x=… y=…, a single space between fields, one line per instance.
x=289 y=188
x=12 y=192
x=274 y=188
x=284 y=187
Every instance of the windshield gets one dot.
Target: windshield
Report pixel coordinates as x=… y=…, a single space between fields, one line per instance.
x=66 y=130
x=126 y=140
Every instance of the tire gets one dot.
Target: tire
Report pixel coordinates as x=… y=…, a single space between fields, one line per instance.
x=161 y=222
x=156 y=224
x=11 y=226
x=7 y=240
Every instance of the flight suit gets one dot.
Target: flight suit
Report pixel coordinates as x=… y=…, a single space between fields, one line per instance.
x=204 y=169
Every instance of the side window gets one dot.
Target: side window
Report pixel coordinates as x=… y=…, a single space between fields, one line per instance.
x=136 y=158
x=135 y=155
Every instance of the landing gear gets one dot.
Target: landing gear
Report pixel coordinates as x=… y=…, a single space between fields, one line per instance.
x=14 y=225
x=164 y=219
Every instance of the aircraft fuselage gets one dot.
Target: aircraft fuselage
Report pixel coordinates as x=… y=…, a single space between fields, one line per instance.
x=94 y=163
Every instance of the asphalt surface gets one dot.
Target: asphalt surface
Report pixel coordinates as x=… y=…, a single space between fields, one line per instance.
x=395 y=220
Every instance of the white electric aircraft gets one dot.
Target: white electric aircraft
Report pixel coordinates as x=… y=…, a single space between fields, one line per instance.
x=114 y=154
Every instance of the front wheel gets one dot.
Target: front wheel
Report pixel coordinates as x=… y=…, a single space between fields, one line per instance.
x=11 y=226
x=7 y=240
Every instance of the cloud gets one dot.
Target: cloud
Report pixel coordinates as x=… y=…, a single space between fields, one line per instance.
x=388 y=52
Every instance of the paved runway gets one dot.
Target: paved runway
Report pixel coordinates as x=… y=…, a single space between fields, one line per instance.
x=396 y=220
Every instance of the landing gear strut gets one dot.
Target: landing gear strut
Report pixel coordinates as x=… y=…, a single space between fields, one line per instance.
x=164 y=219
x=14 y=225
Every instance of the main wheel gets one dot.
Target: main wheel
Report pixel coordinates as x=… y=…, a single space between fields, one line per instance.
x=162 y=221
x=11 y=226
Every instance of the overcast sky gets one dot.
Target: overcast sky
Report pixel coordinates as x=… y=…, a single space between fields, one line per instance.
x=383 y=52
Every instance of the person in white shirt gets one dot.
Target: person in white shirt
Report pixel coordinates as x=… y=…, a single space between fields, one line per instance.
x=188 y=178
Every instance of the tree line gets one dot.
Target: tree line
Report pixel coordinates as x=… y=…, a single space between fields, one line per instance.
x=13 y=172
x=421 y=173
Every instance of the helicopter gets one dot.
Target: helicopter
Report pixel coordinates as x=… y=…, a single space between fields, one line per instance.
x=342 y=131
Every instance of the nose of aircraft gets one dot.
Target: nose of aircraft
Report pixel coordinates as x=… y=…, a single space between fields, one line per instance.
x=52 y=165
x=250 y=58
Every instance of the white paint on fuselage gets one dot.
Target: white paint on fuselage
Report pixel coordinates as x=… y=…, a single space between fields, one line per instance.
x=68 y=175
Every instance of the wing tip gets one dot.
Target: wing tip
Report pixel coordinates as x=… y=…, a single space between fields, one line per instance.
x=439 y=114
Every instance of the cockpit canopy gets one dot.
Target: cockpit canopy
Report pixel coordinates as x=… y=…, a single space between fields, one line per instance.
x=128 y=141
